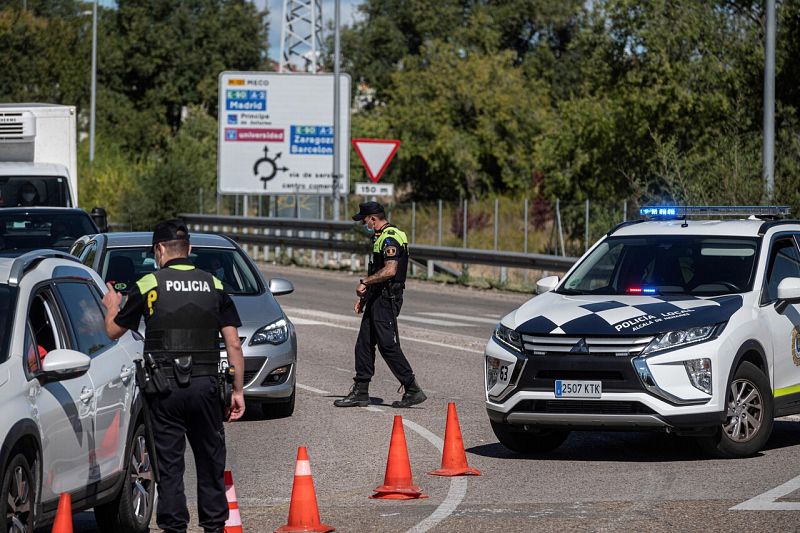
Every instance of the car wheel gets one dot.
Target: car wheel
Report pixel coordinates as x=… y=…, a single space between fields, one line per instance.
x=131 y=510
x=18 y=496
x=749 y=417
x=282 y=409
x=528 y=442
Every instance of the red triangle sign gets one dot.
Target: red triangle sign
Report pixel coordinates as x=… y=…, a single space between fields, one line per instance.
x=375 y=154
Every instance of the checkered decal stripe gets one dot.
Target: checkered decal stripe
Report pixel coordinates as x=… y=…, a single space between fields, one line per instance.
x=645 y=315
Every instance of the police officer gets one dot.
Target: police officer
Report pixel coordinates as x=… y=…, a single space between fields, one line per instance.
x=380 y=297
x=184 y=309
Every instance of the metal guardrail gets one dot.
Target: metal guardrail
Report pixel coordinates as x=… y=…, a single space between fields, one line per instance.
x=353 y=240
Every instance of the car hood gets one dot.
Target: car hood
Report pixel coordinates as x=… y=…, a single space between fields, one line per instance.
x=553 y=313
x=258 y=310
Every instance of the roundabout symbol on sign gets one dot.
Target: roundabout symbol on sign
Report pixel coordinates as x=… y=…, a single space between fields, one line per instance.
x=271 y=164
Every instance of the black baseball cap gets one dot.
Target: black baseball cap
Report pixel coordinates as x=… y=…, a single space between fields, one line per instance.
x=368 y=208
x=170 y=230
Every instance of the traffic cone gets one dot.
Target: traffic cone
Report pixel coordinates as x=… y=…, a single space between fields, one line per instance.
x=454 y=458
x=63 y=522
x=234 y=522
x=397 y=482
x=303 y=511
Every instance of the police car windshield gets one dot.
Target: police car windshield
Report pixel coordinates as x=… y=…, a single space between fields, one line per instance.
x=124 y=266
x=666 y=264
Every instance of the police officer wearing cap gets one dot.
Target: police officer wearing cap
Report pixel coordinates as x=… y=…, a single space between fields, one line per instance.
x=184 y=309
x=380 y=297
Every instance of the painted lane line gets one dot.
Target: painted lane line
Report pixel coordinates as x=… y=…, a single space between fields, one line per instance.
x=458 y=485
x=311 y=389
x=304 y=322
x=402 y=337
x=767 y=501
x=432 y=321
x=492 y=321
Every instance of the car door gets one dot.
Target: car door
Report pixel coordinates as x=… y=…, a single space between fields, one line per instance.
x=783 y=325
x=64 y=409
x=112 y=371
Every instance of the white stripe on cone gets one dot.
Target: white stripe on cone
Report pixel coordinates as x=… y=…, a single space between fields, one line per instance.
x=303 y=468
x=234 y=518
x=230 y=493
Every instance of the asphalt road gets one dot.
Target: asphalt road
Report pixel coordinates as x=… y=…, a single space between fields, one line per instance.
x=597 y=481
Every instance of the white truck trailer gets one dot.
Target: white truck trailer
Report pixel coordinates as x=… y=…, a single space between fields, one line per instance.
x=38 y=159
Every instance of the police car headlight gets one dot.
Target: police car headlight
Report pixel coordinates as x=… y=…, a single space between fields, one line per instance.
x=275 y=333
x=699 y=371
x=508 y=337
x=681 y=337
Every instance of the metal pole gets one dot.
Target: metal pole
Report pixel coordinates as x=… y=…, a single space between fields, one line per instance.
x=439 y=239
x=769 y=104
x=560 y=230
x=94 y=82
x=625 y=210
x=336 y=133
x=465 y=223
x=496 y=211
x=413 y=222
x=525 y=217
x=200 y=198
x=586 y=228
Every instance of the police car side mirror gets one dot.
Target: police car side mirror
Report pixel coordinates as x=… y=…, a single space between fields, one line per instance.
x=788 y=293
x=280 y=286
x=64 y=364
x=546 y=284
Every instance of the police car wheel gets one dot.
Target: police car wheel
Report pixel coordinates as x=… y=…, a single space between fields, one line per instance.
x=516 y=439
x=131 y=510
x=18 y=496
x=749 y=416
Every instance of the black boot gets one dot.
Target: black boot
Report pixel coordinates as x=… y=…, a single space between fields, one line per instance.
x=357 y=397
x=412 y=396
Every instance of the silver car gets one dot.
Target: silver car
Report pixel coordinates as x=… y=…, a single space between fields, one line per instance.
x=268 y=337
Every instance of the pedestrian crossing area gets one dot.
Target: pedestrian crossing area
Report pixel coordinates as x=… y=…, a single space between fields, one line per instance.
x=481 y=323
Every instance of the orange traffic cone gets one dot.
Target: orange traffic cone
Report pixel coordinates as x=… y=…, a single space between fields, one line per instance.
x=303 y=511
x=454 y=458
x=234 y=522
x=397 y=482
x=63 y=523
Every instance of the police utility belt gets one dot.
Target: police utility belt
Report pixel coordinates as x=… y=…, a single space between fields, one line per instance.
x=159 y=373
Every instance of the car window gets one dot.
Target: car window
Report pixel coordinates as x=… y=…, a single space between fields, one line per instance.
x=43 y=326
x=124 y=266
x=77 y=248
x=784 y=262
x=26 y=231
x=85 y=317
x=229 y=266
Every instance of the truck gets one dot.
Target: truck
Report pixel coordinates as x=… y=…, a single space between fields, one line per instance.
x=38 y=159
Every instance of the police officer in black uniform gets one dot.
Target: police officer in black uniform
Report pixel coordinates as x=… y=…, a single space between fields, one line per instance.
x=380 y=297
x=184 y=309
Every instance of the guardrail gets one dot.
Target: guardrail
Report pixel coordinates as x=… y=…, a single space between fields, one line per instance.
x=350 y=238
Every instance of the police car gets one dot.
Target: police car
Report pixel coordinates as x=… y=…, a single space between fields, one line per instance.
x=685 y=321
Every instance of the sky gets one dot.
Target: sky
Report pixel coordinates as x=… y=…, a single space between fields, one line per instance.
x=348 y=11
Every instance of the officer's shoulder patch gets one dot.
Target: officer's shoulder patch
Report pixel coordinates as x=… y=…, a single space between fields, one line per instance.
x=217 y=283
x=391 y=251
x=147 y=283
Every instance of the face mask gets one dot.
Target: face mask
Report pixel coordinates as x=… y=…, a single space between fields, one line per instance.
x=219 y=273
x=28 y=197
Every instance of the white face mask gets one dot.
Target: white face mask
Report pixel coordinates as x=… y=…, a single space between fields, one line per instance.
x=219 y=273
x=28 y=197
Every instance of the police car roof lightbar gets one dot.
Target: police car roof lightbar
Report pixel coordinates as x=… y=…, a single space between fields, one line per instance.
x=683 y=211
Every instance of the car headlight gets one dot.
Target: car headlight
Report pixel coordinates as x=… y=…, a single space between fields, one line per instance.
x=680 y=337
x=275 y=333
x=509 y=337
x=699 y=371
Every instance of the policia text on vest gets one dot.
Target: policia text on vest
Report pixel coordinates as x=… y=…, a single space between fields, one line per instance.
x=380 y=298
x=185 y=310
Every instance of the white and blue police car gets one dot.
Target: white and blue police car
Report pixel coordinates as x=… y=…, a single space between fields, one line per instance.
x=685 y=321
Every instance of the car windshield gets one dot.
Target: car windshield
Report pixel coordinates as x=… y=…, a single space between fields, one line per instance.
x=123 y=266
x=7 y=295
x=697 y=265
x=28 y=191
x=29 y=231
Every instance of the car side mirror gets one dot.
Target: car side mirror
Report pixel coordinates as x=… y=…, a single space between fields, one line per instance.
x=280 y=286
x=64 y=364
x=546 y=284
x=788 y=293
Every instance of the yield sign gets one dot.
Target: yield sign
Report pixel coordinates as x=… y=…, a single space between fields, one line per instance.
x=376 y=155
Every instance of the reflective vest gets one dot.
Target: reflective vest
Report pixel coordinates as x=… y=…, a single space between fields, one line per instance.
x=377 y=253
x=181 y=313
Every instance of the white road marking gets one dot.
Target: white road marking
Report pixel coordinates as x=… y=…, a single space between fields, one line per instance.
x=432 y=321
x=304 y=322
x=311 y=389
x=458 y=485
x=768 y=500
x=492 y=321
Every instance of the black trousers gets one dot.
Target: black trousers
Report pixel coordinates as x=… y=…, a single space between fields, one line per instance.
x=192 y=413
x=378 y=328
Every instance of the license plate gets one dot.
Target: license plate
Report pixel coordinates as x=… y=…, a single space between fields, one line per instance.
x=578 y=389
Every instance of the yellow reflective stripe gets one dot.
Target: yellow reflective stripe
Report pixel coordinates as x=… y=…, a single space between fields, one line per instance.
x=217 y=283
x=147 y=283
x=394 y=233
x=785 y=391
x=182 y=267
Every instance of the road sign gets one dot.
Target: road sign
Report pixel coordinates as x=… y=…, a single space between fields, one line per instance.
x=374 y=189
x=276 y=133
x=376 y=155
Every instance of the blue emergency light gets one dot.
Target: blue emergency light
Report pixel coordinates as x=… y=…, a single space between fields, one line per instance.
x=671 y=212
